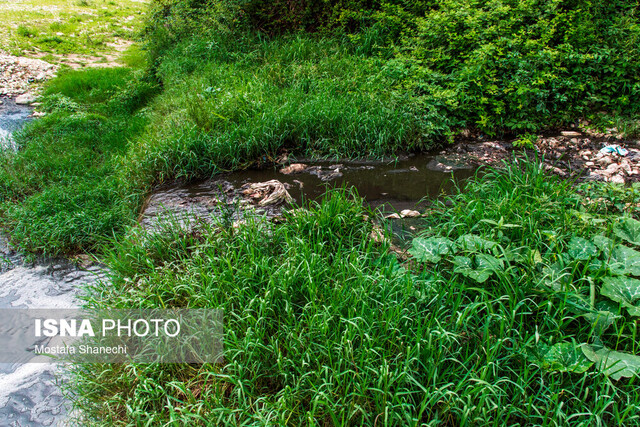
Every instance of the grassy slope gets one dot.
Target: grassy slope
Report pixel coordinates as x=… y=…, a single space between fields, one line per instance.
x=61 y=192
x=82 y=27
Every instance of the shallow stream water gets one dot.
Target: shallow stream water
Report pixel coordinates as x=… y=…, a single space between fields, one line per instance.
x=30 y=393
x=12 y=118
x=409 y=182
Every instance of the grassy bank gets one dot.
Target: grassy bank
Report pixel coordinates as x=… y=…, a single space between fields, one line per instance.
x=517 y=306
x=61 y=192
x=348 y=79
x=495 y=319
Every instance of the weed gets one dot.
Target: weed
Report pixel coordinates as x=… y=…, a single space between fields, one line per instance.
x=323 y=326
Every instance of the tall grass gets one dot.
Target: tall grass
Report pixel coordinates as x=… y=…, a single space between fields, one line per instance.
x=325 y=327
x=248 y=102
x=61 y=191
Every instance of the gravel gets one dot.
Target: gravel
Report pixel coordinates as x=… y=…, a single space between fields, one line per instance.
x=19 y=75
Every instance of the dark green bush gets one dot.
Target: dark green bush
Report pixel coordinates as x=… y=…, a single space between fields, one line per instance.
x=496 y=66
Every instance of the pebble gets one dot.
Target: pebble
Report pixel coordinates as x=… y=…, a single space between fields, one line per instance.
x=18 y=72
x=408 y=213
x=25 y=99
x=613 y=168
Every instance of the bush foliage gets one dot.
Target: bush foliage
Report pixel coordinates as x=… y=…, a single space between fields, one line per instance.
x=498 y=66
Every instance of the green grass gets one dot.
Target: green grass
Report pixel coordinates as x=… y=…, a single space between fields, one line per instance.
x=246 y=101
x=61 y=192
x=505 y=300
x=230 y=97
x=63 y=27
x=324 y=327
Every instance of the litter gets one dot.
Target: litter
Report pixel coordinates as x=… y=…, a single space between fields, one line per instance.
x=610 y=149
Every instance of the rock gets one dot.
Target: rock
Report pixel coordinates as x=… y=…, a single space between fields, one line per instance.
x=555 y=170
x=294 y=168
x=324 y=176
x=589 y=164
x=408 y=213
x=413 y=169
x=613 y=168
x=617 y=179
x=335 y=167
x=268 y=193
x=16 y=73
x=25 y=99
x=393 y=216
x=569 y=133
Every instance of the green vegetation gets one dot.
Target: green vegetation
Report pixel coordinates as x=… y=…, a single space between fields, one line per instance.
x=57 y=28
x=335 y=79
x=61 y=190
x=496 y=66
x=323 y=327
x=512 y=307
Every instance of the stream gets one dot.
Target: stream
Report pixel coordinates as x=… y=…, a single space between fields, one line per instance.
x=12 y=118
x=30 y=393
x=392 y=185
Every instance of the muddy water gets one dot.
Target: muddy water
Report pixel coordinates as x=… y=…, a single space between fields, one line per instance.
x=405 y=183
x=30 y=394
x=391 y=185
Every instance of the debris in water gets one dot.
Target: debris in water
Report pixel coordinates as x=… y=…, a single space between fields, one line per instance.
x=268 y=193
x=294 y=168
x=408 y=213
